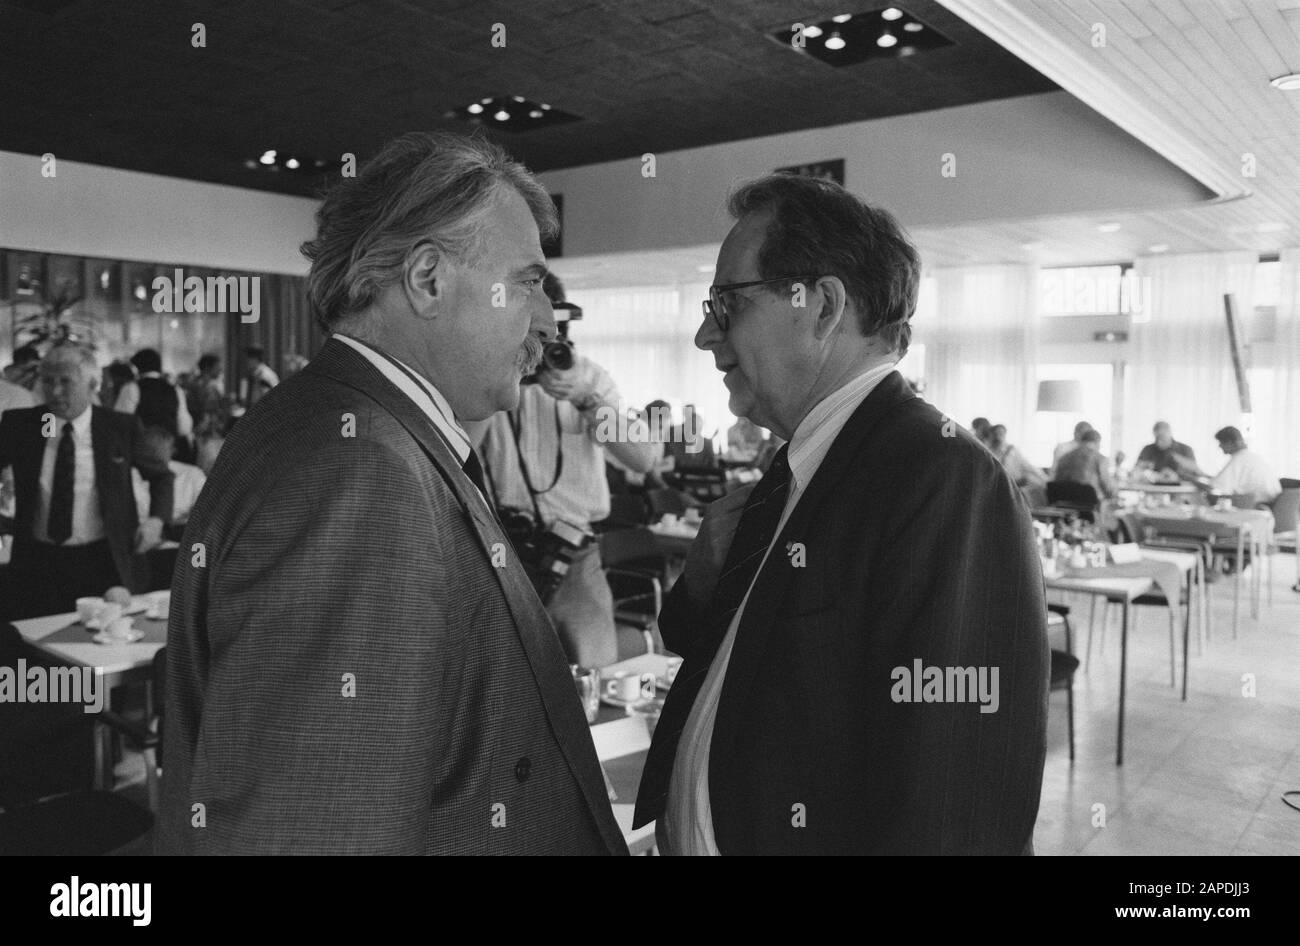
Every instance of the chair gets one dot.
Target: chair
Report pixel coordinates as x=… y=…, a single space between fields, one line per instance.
x=1286 y=524
x=1064 y=664
x=1080 y=496
x=79 y=821
x=635 y=570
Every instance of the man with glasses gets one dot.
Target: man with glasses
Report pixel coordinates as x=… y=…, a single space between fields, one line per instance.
x=866 y=669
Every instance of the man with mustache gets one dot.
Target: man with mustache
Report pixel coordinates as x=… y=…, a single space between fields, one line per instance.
x=884 y=546
x=356 y=661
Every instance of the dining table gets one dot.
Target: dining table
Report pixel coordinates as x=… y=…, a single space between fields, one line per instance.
x=1123 y=584
x=64 y=638
x=1248 y=529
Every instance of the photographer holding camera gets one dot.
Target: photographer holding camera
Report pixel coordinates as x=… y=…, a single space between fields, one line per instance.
x=545 y=466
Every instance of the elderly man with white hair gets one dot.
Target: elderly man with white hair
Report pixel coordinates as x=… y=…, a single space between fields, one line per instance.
x=76 y=529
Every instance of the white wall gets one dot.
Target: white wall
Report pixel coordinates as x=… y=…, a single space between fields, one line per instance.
x=1031 y=156
x=86 y=210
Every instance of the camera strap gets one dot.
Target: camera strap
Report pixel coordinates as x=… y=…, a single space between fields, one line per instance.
x=516 y=426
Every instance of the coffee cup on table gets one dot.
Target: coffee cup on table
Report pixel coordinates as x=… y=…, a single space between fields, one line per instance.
x=628 y=687
x=88 y=608
x=119 y=628
x=107 y=613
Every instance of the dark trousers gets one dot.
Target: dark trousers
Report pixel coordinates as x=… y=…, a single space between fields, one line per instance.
x=48 y=579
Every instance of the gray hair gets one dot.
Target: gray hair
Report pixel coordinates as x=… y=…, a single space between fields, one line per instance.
x=819 y=228
x=75 y=352
x=423 y=187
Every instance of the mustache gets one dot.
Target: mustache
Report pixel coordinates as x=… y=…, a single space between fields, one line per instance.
x=530 y=354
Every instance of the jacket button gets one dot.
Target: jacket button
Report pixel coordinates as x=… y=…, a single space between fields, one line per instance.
x=522 y=769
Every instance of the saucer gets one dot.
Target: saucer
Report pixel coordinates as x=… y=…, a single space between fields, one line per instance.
x=134 y=635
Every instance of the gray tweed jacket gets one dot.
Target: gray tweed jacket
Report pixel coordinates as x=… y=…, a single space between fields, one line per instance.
x=347 y=670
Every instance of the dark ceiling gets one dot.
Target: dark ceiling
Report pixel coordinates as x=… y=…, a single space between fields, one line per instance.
x=120 y=84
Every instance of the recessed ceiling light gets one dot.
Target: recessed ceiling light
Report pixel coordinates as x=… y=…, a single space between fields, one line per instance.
x=486 y=101
x=268 y=157
x=1271 y=227
x=475 y=109
x=513 y=113
x=852 y=39
x=501 y=115
x=536 y=113
x=886 y=40
x=1287 y=83
x=890 y=13
x=292 y=164
x=517 y=98
x=545 y=107
x=835 y=41
x=913 y=27
x=1157 y=247
x=812 y=32
x=1108 y=228
x=843 y=18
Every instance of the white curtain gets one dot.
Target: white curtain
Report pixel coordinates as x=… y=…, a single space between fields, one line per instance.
x=1180 y=363
x=645 y=339
x=1275 y=377
x=980 y=333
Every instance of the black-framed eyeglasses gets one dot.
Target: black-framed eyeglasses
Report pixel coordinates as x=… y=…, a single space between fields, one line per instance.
x=715 y=307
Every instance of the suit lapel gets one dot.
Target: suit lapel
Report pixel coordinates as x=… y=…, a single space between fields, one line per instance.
x=536 y=634
x=770 y=587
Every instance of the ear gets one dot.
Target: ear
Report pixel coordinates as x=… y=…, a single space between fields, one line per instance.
x=827 y=303
x=423 y=280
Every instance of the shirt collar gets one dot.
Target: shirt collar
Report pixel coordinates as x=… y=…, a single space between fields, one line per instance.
x=817 y=431
x=420 y=390
x=80 y=425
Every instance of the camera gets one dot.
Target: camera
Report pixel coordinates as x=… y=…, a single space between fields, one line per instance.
x=545 y=552
x=557 y=354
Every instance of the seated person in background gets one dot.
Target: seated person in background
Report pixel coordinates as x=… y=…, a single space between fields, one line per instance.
x=980 y=427
x=1246 y=472
x=1166 y=455
x=1085 y=464
x=688 y=445
x=1081 y=428
x=186 y=486
x=1024 y=474
x=744 y=441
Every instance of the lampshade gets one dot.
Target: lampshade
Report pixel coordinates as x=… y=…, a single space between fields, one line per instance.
x=1061 y=397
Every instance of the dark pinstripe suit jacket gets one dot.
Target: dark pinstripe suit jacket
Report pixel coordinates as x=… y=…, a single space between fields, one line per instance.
x=917 y=547
x=347 y=671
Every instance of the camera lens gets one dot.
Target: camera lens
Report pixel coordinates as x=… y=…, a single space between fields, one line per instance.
x=558 y=356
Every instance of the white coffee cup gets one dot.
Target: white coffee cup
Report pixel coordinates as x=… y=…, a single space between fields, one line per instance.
x=119 y=628
x=88 y=608
x=628 y=687
x=107 y=613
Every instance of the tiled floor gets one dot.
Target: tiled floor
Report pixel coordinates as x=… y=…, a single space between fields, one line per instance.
x=1201 y=777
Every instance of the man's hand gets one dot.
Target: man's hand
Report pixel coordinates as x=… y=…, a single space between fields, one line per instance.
x=572 y=385
x=149 y=535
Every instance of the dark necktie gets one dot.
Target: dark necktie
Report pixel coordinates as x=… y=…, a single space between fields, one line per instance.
x=61 y=495
x=754 y=534
x=474 y=470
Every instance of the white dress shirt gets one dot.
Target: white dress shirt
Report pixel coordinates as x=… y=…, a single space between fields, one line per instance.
x=422 y=392
x=1248 y=472
x=581 y=493
x=87 y=520
x=688 y=815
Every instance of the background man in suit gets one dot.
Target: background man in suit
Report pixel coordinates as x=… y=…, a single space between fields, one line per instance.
x=883 y=542
x=76 y=530
x=357 y=662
